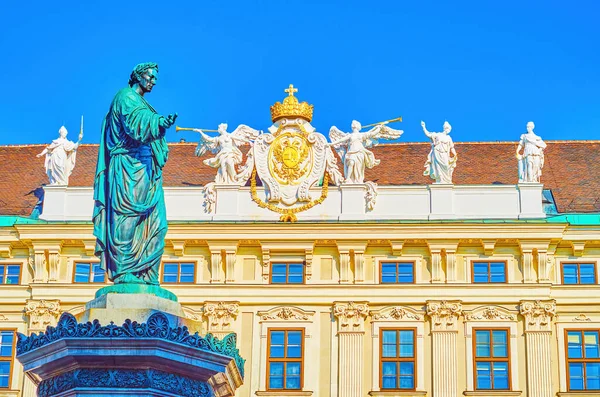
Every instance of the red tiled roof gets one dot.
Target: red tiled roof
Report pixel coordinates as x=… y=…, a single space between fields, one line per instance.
x=572 y=170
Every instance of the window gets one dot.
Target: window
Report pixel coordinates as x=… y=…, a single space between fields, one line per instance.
x=89 y=272
x=489 y=272
x=179 y=272
x=10 y=274
x=7 y=344
x=579 y=273
x=397 y=272
x=287 y=273
x=492 y=364
x=285 y=359
x=583 y=360
x=398 y=359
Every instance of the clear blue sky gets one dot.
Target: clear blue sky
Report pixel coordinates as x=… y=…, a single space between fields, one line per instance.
x=487 y=67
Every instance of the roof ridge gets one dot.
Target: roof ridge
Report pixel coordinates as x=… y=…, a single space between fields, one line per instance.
x=582 y=141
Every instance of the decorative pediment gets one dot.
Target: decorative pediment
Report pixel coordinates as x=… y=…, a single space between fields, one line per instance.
x=490 y=313
x=396 y=313
x=286 y=313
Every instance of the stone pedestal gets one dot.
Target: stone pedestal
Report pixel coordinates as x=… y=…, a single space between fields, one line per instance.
x=353 y=201
x=153 y=352
x=442 y=201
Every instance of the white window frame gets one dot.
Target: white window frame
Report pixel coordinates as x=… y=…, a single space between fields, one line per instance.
x=566 y=322
x=513 y=353
x=413 y=319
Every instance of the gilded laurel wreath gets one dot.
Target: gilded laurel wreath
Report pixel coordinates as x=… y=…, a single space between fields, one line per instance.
x=288 y=214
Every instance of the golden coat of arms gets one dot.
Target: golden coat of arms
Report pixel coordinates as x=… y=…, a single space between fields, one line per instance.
x=293 y=158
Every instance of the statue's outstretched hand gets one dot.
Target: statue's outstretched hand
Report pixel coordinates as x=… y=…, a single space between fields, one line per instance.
x=423 y=124
x=167 y=122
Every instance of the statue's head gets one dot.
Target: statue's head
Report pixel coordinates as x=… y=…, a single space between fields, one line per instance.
x=356 y=126
x=530 y=126
x=145 y=75
x=447 y=127
x=222 y=128
x=62 y=132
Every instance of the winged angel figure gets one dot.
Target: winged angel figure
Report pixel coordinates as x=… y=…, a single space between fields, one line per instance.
x=353 y=147
x=225 y=147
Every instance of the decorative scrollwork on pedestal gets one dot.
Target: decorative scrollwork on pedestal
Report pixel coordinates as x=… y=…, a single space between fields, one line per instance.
x=538 y=314
x=351 y=316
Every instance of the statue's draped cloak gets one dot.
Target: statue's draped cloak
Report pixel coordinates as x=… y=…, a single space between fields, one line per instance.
x=130 y=221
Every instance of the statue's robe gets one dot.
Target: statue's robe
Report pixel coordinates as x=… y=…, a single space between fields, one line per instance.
x=130 y=222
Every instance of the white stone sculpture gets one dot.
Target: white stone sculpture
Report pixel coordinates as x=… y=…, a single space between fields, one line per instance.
x=60 y=158
x=531 y=160
x=440 y=165
x=225 y=147
x=353 y=148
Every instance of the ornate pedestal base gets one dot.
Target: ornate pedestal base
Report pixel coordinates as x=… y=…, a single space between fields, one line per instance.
x=153 y=355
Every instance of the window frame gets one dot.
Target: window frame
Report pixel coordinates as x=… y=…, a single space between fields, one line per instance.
x=10 y=359
x=578 y=263
x=92 y=263
x=170 y=262
x=489 y=273
x=414 y=359
x=492 y=359
x=578 y=360
x=287 y=273
x=285 y=359
x=414 y=271
x=6 y=264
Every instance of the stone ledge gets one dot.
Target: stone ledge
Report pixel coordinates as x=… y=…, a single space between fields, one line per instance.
x=398 y=393
x=493 y=393
x=577 y=394
x=284 y=393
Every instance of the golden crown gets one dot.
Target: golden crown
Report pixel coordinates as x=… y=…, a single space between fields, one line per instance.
x=291 y=108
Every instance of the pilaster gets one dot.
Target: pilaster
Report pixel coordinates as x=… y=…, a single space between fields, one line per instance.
x=216 y=259
x=444 y=328
x=351 y=329
x=538 y=337
x=220 y=317
x=345 y=267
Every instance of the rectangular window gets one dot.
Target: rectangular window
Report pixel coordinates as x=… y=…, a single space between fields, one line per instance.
x=492 y=359
x=287 y=273
x=285 y=359
x=10 y=274
x=89 y=272
x=179 y=273
x=583 y=360
x=7 y=345
x=397 y=272
x=489 y=272
x=579 y=273
x=397 y=364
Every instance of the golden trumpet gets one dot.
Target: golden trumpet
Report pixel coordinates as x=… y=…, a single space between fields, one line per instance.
x=178 y=128
x=397 y=119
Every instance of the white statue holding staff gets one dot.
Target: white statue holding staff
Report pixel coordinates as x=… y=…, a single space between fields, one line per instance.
x=531 y=160
x=61 y=156
x=440 y=165
x=353 y=147
x=225 y=147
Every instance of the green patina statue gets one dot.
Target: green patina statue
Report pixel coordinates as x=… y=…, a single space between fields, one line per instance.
x=130 y=222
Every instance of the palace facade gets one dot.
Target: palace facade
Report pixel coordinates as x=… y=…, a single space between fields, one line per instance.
x=486 y=287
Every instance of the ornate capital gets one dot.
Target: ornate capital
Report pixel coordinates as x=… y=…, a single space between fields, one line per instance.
x=538 y=314
x=490 y=313
x=42 y=313
x=220 y=315
x=444 y=314
x=351 y=316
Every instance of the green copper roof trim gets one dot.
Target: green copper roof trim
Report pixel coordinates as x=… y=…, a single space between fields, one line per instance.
x=590 y=219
